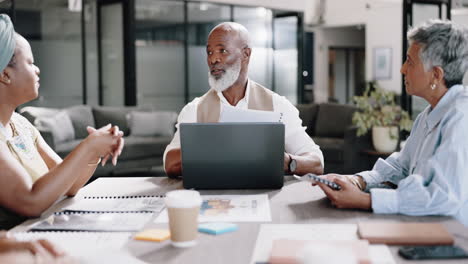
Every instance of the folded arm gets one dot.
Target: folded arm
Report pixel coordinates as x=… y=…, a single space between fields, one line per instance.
x=21 y=195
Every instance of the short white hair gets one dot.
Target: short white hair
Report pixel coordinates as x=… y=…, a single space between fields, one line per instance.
x=242 y=32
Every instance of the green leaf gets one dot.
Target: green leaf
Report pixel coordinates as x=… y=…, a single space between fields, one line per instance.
x=378 y=108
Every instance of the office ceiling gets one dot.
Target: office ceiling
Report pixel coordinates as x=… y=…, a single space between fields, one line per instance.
x=164 y=10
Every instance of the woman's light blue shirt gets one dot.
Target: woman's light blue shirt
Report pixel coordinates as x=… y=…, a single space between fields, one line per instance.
x=431 y=171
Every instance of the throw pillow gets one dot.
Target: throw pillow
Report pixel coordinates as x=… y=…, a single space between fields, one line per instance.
x=116 y=116
x=81 y=117
x=147 y=124
x=59 y=124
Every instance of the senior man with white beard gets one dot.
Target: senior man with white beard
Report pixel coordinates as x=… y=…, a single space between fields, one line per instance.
x=228 y=55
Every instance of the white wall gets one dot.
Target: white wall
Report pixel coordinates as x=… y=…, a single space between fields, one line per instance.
x=327 y=37
x=382 y=20
x=384 y=28
x=293 y=5
x=461 y=16
x=345 y=13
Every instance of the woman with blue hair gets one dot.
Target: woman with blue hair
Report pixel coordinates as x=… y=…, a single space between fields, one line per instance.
x=429 y=175
x=32 y=175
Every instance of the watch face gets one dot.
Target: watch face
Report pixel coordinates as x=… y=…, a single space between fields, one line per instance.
x=293 y=165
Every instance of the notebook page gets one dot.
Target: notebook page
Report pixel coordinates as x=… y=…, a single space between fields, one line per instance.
x=118 y=204
x=79 y=243
x=111 y=222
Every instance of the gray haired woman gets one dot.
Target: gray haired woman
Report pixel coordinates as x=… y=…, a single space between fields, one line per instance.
x=429 y=174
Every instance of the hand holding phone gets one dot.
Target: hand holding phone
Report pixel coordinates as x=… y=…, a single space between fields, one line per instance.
x=432 y=252
x=330 y=184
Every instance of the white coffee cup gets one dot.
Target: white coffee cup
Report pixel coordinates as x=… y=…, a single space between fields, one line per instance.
x=183 y=207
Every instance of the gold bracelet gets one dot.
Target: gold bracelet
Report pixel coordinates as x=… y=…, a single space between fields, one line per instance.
x=354 y=181
x=359 y=185
x=95 y=164
x=358 y=182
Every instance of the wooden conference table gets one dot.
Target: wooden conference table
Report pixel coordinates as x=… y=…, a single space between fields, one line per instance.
x=296 y=203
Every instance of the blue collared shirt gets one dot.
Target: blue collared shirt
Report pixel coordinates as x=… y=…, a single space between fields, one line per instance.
x=431 y=171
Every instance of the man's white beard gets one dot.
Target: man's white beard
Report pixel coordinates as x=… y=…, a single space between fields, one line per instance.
x=227 y=79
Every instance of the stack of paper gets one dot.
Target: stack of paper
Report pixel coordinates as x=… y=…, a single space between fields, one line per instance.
x=378 y=254
x=391 y=233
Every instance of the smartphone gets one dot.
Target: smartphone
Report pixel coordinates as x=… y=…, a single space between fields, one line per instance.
x=433 y=252
x=330 y=184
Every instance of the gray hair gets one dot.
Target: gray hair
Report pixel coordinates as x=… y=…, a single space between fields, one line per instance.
x=443 y=44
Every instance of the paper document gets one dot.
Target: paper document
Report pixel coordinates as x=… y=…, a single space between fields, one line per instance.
x=79 y=243
x=94 y=222
x=111 y=256
x=233 y=114
x=230 y=208
x=118 y=204
x=379 y=254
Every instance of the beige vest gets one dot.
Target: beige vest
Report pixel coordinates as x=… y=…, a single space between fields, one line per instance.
x=209 y=106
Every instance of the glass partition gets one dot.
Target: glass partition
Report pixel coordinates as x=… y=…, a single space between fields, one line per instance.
x=160 y=57
x=258 y=21
x=202 y=18
x=91 y=56
x=170 y=56
x=112 y=54
x=285 y=57
x=54 y=33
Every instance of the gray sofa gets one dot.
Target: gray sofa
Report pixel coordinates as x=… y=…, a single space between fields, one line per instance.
x=140 y=152
x=330 y=126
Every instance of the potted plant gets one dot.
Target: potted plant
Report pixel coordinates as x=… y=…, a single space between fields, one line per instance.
x=378 y=111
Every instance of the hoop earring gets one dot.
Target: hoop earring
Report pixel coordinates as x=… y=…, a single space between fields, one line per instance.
x=433 y=86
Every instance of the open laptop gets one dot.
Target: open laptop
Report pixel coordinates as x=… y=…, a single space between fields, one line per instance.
x=232 y=155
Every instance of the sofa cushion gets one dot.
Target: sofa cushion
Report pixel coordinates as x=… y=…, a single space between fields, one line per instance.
x=142 y=147
x=81 y=117
x=116 y=115
x=332 y=148
x=59 y=124
x=333 y=119
x=64 y=148
x=33 y=112
x=146 y=124
x=308 y=115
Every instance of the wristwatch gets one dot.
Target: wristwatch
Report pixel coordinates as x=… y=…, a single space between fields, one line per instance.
x=292 y=164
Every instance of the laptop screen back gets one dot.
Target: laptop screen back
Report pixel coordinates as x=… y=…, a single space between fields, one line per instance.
x=232 y=155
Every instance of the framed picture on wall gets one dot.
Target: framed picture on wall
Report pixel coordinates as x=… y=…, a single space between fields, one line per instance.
x=382 y=63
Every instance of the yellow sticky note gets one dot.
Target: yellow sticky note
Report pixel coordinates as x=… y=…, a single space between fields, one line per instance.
x=157 y=235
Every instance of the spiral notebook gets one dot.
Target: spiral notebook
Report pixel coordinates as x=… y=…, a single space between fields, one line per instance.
x=95 y=222
x=118 y=204
x=104 y=214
